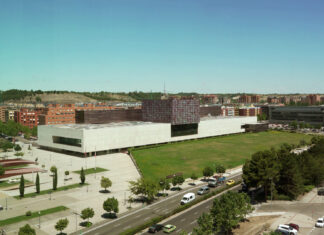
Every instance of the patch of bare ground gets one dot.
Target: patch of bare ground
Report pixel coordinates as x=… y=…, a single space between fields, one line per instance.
x=255 y=225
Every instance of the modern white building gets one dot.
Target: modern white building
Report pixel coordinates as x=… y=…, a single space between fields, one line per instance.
x=89 y=138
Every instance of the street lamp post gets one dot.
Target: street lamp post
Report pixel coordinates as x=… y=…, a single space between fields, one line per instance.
x=76 y=220
x=39 y=222
x=6 y=204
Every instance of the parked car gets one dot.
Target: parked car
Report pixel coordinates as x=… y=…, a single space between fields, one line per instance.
x=320 y=223
x=155 y=228
x=287 y=229
x=203 y=190
x=230 y=182
x=320 y=191
x=1 y=208
x=188 y=197
x=212 y=182
x=169 y=228
x=295 y=226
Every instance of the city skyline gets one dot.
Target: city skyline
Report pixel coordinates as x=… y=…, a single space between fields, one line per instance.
x=205 y=47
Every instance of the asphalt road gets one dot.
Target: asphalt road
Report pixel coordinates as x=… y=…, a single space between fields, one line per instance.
x=188 y=220
x=139 y=216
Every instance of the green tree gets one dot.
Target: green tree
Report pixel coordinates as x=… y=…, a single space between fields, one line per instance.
x=26 y=230
x=55 y=180
x=194 y=177
x=105 y=183
x=2 y=170
x=261 y=170
x=177 y=180
x=66 y=173
x=164 y=184
x=29 y=148
x=220 y=169
x=228 y=210
x=208 y=171
x=82 y=176
x=86 y=214
x=22 y=186
x=53 y=169
x=34 y=131
x=205 y=225
x=17 y=148
x=37 y=184
x=111 y=205
x=38 y=99
x=144 y=188
x=61 y=224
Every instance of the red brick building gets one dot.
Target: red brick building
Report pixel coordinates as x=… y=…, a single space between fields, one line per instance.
x=209 y=99
x=249 y=111
x=245 y=99
x=3 y=113
x=313 y=99
x=57 y=114
x=28 y=117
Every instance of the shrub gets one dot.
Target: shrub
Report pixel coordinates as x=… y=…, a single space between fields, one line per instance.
x=28 y=213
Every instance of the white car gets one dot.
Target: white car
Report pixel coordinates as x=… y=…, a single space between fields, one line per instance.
x=320 y=223
x=287 y=229
x=10 y=181
x=187 y=198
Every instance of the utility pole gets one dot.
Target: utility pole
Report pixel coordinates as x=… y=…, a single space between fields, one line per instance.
x=39 y=222
x=76 y=220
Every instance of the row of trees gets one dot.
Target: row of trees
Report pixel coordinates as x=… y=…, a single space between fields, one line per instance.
x=148 y=189
x=284 y=173
x=226 y=213
x=300 y=125
x=110 y=206
x=12 y=128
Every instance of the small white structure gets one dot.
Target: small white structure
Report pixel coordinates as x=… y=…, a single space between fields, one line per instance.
x=86 y=138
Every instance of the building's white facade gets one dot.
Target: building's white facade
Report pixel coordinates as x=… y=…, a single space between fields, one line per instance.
x=102 y=137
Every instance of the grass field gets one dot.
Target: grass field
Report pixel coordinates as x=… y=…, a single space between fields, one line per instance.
x=91 y=171
x=192 y=156
x=33 y=215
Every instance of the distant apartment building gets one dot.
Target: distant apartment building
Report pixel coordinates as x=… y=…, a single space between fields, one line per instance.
x=249 y=111
x=28 y=117
x=245 y=99
x=248 y=99
x=57 y=114
x=284 y=99
x=273 y=100
x=209 y=99
x=313 y=99
x=3 y=113
x=224 y=100
x=93 y=106
x=228 y=111
x=10 y=115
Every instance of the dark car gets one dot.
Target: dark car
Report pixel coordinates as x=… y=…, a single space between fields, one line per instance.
x=320 y=191
x=155 y=228
x=295 y=226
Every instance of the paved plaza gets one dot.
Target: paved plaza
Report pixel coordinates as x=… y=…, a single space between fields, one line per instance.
x=120 y=170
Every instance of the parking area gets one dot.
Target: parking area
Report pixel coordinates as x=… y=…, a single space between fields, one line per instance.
x=303 y=212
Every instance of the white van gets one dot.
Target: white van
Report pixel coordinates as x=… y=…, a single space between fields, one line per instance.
x=188 y=197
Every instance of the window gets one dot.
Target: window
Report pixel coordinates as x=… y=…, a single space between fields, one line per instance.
x=67 y=141
x=185 y=129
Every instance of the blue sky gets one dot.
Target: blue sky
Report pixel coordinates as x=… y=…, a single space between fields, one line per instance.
x=206 y=46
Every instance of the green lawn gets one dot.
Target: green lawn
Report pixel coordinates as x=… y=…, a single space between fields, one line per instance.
x=193 y=156
x=16 y=167
x=33 y=215
x=91 y=171
x=48 y=191
x=5 y=184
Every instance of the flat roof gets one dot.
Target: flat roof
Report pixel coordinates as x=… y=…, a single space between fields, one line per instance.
x=98 y=126
x=131 y=123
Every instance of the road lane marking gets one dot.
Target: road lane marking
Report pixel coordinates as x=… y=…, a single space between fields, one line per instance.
x=116 y=225
x=159 y=202
x=183 y=220
x=196 y=213
x=138 y=216
x=147 y=218
x=193 y=222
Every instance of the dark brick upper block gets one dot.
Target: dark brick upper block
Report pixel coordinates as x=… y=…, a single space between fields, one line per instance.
x=174 y=111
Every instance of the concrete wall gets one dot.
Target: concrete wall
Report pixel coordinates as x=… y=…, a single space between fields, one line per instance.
x=116 y=137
